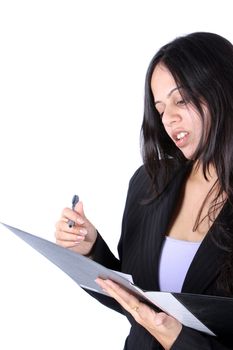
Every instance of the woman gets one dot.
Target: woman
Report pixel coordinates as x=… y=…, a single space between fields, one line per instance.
x=178 y=218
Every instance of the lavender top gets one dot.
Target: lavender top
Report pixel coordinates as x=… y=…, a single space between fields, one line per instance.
x=175 y=259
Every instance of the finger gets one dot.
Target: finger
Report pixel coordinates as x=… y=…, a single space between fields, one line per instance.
x=63 y=226
x=72 y=215
x=64 y=212
x=164 y=320
x=161 y=319
x=68 y=237
x=65 y=232
x=69 y=244
x=81 y=215
x=128 y=301
x=64 y=219
x=79 y=209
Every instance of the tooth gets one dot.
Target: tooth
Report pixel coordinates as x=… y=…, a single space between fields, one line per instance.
x=181 y=135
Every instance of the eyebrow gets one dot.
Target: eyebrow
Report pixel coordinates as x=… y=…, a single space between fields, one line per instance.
x=169 y=94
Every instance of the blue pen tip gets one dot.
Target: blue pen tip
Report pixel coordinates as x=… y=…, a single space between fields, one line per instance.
x=75 y=200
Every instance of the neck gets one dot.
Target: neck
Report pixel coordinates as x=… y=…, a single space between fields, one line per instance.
x=197 y=173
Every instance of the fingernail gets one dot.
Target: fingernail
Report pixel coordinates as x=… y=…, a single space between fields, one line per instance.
x=80 y=221
x=83 y=231
x=79 y=240
x=100 y=285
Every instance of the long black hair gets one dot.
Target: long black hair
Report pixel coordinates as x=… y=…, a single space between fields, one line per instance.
x=202 y=64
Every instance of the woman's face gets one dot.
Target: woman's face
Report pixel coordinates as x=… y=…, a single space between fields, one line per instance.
x=181 y=120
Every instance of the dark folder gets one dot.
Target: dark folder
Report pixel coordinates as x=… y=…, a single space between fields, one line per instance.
x=209 y=314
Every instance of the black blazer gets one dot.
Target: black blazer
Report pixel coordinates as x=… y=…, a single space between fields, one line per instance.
x=143 y=232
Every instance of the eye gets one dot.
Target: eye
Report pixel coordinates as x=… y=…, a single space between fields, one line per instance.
x=181 y=102
x=159 y=110
x=160 y=113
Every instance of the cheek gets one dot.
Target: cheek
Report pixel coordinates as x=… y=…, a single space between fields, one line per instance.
x=196 y=127
x=168 y=130
x=199 y=130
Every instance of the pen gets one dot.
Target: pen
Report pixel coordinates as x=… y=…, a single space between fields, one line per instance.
x=75 y=200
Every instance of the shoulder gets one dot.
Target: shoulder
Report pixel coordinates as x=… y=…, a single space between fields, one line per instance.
x=142 y=184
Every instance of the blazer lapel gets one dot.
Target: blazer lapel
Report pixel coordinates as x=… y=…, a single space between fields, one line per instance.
x=205 y=267
x=155 y=224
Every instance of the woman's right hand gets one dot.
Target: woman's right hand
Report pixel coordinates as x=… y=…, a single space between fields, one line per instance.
x=79 y=238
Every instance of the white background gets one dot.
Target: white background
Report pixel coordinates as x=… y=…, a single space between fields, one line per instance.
x=71 y=105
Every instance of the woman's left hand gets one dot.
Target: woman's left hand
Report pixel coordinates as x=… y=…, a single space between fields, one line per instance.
x=162 y=326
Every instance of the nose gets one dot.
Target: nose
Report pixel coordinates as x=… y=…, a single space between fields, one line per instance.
x=170 y=116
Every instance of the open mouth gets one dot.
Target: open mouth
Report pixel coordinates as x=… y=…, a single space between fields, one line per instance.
x=181 y=135
x=180 y=138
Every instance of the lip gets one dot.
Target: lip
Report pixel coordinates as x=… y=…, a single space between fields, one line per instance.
x=180 y=142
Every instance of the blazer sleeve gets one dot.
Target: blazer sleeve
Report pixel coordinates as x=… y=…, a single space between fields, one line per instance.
x=103 y=255
x=193 y=340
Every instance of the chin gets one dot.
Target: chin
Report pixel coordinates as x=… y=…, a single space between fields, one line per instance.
x=188 y=155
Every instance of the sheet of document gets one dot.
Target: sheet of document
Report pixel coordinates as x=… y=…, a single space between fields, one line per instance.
x=84 y=272
x=169 y=304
